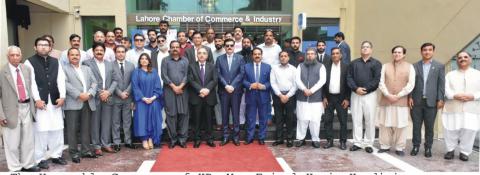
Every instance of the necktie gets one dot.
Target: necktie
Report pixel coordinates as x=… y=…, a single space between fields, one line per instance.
x=202 y=74
x=321 y=58
x=20 y=88
x=229 y=62
x=121 y=69
x=257 y=72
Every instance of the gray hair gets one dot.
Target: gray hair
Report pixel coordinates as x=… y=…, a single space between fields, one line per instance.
x=311 y=49
x=13 y=48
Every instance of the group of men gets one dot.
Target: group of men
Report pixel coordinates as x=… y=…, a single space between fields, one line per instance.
x=227 y=77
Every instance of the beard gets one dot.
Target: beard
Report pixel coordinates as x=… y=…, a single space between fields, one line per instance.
x=218 y=46
x=309 y=62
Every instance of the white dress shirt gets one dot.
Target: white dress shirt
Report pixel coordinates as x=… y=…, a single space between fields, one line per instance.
x=13 y=70
x=80 y=75
x=109 y=54
x=335 y=72
x=270 y=53
x=282 y=78
x=134 y=54
x=101 y=68
x=64 y=58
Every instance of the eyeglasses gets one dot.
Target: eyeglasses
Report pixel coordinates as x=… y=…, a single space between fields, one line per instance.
x=138 y=39
x=228 y=45
x=161 y=41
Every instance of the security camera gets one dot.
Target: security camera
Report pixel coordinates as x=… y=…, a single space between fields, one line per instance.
x=76 y=11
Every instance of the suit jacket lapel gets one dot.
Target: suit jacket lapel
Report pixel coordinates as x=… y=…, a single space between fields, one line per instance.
x=420 y=69
x=9 y=77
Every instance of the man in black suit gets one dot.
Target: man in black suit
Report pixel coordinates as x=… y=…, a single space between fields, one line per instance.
x=294 y=52
x=191 y=53
x=322 y=56
x=336 y=97
x=203 y=78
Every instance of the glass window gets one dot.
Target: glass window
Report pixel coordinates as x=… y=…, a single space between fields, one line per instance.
x=91 y=24
x=320 y=29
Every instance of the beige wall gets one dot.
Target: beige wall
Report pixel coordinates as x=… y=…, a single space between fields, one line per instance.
x=3 y=34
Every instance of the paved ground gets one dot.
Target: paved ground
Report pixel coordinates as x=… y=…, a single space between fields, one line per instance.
x=305 y=159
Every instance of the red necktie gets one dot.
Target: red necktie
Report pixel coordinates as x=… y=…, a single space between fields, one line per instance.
x=20 y=87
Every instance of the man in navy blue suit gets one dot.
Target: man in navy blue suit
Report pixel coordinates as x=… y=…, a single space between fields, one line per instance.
x=230 y=76
x=256 y=81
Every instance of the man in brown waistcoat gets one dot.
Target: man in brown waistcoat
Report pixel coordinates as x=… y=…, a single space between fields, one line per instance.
x=396 y=82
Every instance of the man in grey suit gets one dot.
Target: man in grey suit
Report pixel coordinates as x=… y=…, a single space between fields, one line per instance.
x=344 y=48
x=107 y=80
x=17 y=113
x=191 y=53
x=426 y=98
x=122 y=108
x=81 y=87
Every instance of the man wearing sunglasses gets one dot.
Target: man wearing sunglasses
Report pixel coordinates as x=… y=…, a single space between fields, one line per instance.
x=134 y=54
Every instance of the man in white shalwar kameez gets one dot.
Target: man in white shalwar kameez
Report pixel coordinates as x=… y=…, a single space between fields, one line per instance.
x=311 y=76
x=49 y=95
x=461 y=116
x=396 y=82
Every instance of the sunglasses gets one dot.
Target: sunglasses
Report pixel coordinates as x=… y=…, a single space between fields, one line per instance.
x=229 y=45
x=161 y=41
x=138 y=39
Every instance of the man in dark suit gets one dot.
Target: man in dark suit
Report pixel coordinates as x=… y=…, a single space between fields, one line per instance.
x=336 y=97
x=122 y=99
x=344 y=47
x=107 y=80
x=191 y=53
x=322 y=55
x=257 y=97
x=203 y=79
x=230 y=75
x=294 y=52
x=426 y=98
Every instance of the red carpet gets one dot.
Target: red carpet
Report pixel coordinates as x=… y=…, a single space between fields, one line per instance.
x=229 y=158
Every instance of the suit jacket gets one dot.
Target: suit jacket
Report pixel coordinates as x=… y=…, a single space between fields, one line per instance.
x=327 y=59
x=195 y=82
x=345 y=49
x=74 y=87
x=264 y=79
x=111 y=78
x=233 y=77
x=123 y=84
x=435 y=89
x=8 y=95
x=345 y=91
x=190 y=54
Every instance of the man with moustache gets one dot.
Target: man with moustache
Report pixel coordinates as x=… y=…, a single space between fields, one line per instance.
x=184 y=45
x=210 y=42
x=246 y=52
x=133 y=55
x=99 y=37
x=110 y=40
x=282 y=80
x=49 y=94
x=107 y=79
x=344 y=47
x=159 y=54
x=238 y=37
x=311 y=76
x=191 y=53
x=174 y=75
x=152 y=38
x=164 y=30
x=427 y=97
x=461 y=117
x=118 y=35
x=322 y=55
x=81 y=88
x=294 y=52
x=218 y=49
x=127 y=42
x=74 y=43
x=336 y=97
x=270 y=49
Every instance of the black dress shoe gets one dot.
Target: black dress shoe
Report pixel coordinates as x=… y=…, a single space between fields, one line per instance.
x=89 y=155
x=383 y=150
x=211 y=143
x=278 y=142
x=60 y=161
x=400 y=153
x=289 y=143
x=329 y=144
x=196 y=144
x=76 y=159
x=32 y=169
x=428 y=152
x=261 y=142
x=248 y=142
x=116 y=148
x=172 y=145
x=368 y=149
x=343 y=145
x=414 y=151
x=224 y=142
x=182 y=144
x=463 y=157
x=43 y=164
x=354 y=148
x=236 y=142
x=449 y=155
x=316 y=144
x=300 y=143
x=131 y=146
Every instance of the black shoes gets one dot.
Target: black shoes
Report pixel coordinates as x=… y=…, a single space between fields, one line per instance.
x=428 y=152
x=131 y=146
x=368 y=149
x=172 y=145
x=289 y=143
x=248 y=142
x=316 y=144
x=400 y=153
x=383 y=150
x=278 y=142
x=261 y=142
x=343 y=145
x=449 y=155
x=116 y=148
x=329 y=144
x=60 y=161
x=300 y=143
x=182 y=144
x=211 y=143
x=236 y=142
x=196 y=144
x=463 y=157
x=89 y=155
x=43 y=164
x=354 y=148
x=31 y=169
x=76 y=159
x=414 y=151
x=224 y=141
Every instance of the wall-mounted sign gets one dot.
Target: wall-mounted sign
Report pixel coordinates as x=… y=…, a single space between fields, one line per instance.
x=153 y=19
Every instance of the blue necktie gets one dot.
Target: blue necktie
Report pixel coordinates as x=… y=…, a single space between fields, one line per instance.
x=202 y=74
x=257 y=72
